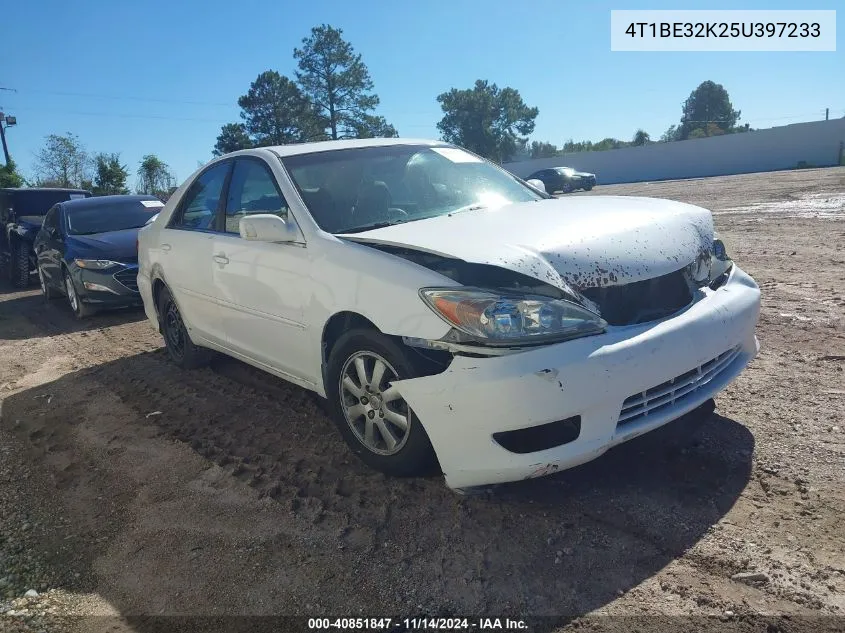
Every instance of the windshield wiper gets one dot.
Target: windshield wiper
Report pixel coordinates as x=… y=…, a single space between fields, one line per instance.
x=372 y=227
x=475 y=206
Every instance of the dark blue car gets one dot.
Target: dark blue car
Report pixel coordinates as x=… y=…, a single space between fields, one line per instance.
x=87 y=250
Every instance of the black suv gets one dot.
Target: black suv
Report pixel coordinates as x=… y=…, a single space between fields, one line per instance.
x=21 y=215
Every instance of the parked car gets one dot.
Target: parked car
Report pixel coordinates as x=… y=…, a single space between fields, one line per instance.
x=21 y=214
x=87 y=250
x=449 y=312
x=564 y=179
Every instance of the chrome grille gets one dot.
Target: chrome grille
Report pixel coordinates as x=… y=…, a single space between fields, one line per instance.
x=676 y=390
x=128 y=277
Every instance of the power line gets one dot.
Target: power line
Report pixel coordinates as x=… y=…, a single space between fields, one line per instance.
x=124 y=98
x=118 y=115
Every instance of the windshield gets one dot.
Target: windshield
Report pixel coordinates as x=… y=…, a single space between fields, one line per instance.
x=38 y=202
x=132 y=214
x=359 y=189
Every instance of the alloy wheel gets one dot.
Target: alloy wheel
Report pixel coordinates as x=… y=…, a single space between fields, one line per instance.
x=71 y=293
x=378 y=416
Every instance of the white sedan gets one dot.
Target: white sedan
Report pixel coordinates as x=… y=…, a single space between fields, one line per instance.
x=452 y=315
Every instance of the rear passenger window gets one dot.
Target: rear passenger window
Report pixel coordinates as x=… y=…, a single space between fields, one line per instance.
x=198 y=208
x=252 y=190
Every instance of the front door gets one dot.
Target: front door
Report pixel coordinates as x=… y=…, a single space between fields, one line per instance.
x=262 y=287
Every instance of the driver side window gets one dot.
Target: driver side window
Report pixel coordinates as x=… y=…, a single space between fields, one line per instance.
x=252 y=190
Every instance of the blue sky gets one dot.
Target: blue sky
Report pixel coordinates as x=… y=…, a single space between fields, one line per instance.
x=163 y=76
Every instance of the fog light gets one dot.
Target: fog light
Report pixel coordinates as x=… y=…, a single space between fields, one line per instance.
x=97 y=287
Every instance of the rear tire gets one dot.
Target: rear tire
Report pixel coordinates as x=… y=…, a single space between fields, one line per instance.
x=376 y=423
x=18 y=264
x=177 y=341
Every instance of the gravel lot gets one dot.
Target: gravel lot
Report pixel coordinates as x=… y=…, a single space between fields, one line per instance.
x=129 y=488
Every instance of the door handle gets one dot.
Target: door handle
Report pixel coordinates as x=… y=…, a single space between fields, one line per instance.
x=165 y=247
x=221 y=259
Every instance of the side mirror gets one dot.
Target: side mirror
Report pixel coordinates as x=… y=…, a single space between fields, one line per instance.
x=267 y=227
x=537 y=184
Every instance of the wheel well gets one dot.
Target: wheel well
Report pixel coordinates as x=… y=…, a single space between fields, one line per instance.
x=428 y=363
x=158 y=286
x=337 y=325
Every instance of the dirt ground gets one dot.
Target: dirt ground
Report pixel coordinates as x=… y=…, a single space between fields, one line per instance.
x=129 y=488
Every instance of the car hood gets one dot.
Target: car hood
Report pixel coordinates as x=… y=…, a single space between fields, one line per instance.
x=117 y=245
x=569 y=243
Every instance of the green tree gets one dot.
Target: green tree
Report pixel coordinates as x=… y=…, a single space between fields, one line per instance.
x=374 y=127
x=9 y=176
x=486 y=120
x=641 y=137
x=334 y=78
x=232 y=137
x=109 y=175
x=709 y=103
x=541 y=149
x=671 y=134
x=62 y=162
x=275 y=112
x=154 y=176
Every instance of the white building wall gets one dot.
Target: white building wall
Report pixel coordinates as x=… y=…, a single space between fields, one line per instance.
x=818 y=143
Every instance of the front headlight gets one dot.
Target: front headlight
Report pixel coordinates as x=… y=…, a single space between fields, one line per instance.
x=720 y=263
x=95 y=264
x=493 y=318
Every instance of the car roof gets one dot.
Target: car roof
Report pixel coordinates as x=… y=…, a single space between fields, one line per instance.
x=33 y=189
x=327 y=146
x=104 y=201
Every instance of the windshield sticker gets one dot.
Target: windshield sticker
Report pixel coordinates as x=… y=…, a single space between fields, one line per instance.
x=152 y=204
x=456 y=155
x=76 y=196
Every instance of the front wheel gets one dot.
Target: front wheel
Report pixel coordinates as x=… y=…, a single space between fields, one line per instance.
x=374 y=419
x=80 y=309
x=588 y=187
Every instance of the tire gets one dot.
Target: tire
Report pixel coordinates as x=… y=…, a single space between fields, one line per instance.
x=588 y=187
x=177 y=341
x=48 y=292
x=567 y=187
x=77 y=306
x=18 y=264
x=352 y=404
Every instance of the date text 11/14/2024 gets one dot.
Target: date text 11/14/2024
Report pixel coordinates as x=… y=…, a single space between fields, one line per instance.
x=417 y=624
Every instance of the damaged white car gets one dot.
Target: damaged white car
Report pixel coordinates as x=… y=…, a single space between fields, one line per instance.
x=451 y=314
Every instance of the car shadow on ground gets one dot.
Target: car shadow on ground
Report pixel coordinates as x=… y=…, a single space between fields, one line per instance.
x=24 y=314
x=560 y=546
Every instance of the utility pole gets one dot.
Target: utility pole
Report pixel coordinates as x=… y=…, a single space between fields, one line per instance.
x=827 y=114
x=3 y=136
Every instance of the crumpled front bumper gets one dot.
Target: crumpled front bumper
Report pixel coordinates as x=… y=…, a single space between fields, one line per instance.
x=474 y=398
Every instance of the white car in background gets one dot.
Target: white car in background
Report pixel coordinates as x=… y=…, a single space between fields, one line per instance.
x=448 y=312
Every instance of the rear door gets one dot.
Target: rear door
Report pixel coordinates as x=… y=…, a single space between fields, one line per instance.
x=186 y=252
x=262 y=286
